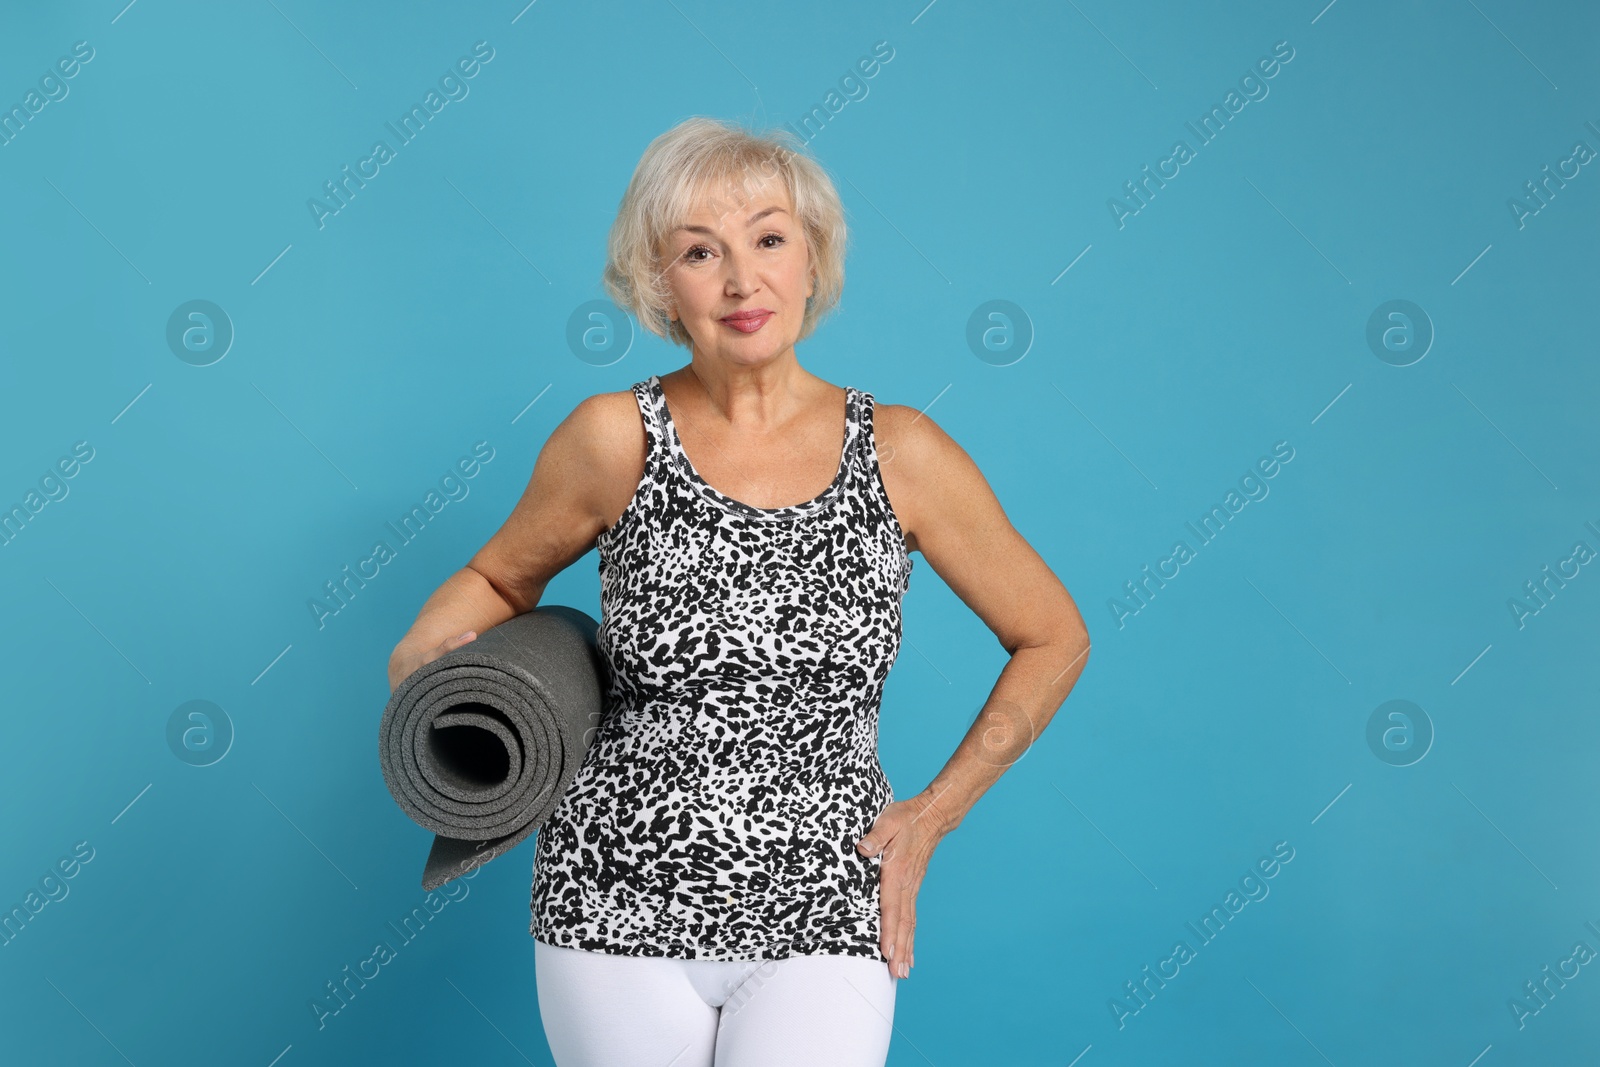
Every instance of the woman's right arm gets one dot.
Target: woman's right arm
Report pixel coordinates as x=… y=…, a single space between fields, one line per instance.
x=571 y=498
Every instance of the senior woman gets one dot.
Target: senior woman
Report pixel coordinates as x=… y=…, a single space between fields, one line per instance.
x=728 y=877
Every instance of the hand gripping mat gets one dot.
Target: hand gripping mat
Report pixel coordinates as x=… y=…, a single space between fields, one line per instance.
x=480 y=744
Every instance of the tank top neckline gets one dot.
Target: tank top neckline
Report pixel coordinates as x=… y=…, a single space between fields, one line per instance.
x=669 y=432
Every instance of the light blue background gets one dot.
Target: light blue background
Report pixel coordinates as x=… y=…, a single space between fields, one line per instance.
x=1229 y=314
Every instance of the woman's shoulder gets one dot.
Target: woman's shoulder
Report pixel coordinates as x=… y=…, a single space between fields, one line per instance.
x=601 y=441
x=601 y=450
x=921 y=464
x=906 y=428
x=612 y=428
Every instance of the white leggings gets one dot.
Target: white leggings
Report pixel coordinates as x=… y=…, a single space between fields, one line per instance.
x=606 y=1010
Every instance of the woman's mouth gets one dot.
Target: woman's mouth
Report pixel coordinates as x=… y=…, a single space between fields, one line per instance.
x=747 y=321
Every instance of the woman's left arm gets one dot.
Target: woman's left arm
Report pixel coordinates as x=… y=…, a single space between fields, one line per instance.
x=951 y=516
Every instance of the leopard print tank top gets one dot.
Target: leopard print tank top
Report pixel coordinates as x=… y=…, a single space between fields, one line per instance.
x=716 y=813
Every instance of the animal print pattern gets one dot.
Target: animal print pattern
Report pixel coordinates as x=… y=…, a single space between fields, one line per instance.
x=716 y=814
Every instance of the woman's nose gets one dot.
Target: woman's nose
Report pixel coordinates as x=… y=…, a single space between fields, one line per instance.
x=738 y=273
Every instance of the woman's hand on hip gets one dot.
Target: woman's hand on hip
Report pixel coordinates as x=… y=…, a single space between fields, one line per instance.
x=905 y=833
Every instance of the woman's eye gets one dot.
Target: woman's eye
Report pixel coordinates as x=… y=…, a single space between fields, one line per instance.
x=692 y=257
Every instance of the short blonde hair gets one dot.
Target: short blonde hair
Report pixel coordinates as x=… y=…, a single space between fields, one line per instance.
x=708 y=157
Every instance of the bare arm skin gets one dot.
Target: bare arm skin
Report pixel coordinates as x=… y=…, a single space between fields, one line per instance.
x=953 y=518
x=582 y=480
x=950 y=515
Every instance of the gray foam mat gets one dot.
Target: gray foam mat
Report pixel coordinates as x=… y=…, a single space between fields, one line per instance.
x=480 y=744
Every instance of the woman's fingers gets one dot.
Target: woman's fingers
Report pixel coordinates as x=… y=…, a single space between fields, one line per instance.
x=400 y=670
x=903 y=846
x=874 y=843
x=897 y=894
x=906 y=936
x=907 y=883
x=449 y=644
x=887 y=906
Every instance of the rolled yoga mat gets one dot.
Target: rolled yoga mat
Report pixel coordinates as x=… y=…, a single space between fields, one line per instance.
x=480 y=744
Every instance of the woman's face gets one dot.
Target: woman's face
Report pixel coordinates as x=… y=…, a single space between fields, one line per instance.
x=734 y=256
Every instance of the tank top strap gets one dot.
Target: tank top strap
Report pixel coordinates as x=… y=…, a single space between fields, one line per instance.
x=647 y=407
x=657 y=448
x=873 y=492
x=668 y=462
x=651 y=479
x=866 y=447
